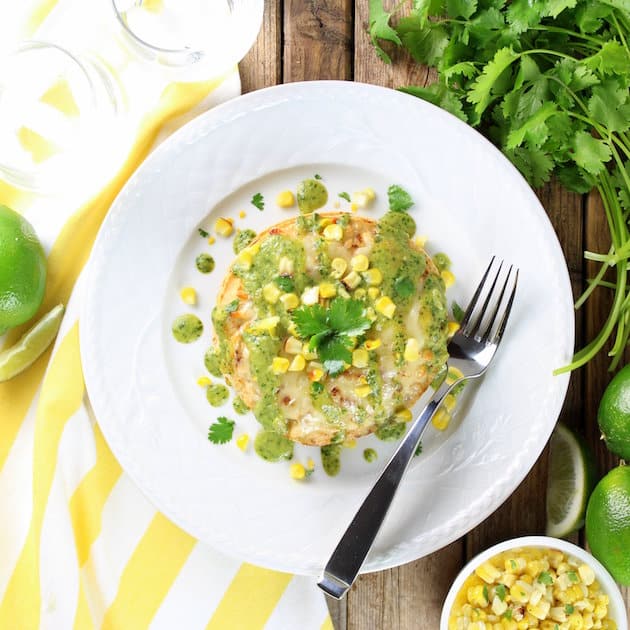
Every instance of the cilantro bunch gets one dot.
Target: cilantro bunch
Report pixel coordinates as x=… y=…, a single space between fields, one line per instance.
x=330 y=330
x=548 y=81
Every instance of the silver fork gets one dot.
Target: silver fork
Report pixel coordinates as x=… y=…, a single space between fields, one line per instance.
x=470 y=350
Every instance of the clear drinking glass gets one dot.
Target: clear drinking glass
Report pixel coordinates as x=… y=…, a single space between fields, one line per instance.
x=193 y=40
x=57 y=112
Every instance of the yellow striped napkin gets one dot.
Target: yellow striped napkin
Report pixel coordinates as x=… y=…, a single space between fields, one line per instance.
x=80 y=546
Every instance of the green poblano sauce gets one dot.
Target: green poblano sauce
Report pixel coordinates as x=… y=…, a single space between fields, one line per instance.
x=187 y=328
x=217 y=394
x=242 y=239
x=204 y=263
x=311 y=195
x=272 y=446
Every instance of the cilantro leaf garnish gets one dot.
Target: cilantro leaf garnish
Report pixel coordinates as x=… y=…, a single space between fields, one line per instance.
x=545 y=578
x=572 y=575
x=458 y=312
x=500 y=591
x=380 y=28
x=485 y=593
x=330 y=331
x=568 y=609
x=258 y=201
x=284 y=283
x=345 y=195
x=203 y=233
x=317 y=176
x=220 y=432
x=232 y=306
x=399 y=199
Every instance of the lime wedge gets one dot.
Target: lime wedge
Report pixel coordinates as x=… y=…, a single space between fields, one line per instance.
x=33 y=343
x=569 y=483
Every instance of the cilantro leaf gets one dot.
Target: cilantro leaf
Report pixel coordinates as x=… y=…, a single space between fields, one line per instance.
x=284 y=283
x=232 y=306
x=335 y=353
x=346 y=316
x=203 y=233
x=545 y=578
x=310 y=320
x=460 y=8
x=485 y=593
x=418 y=450
x=590 y=153
x=220 y=432
x=258 y=201
x=425 y=43
x=458 y=312
x=345 y=195
x=399 y=199
x=481 y=93
x=439 y=95
x=500 y=591
x=317 y=176
x=380 y=28
x=533 y=129
x=569 y=609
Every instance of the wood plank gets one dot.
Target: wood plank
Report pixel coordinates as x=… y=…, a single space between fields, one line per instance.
x=262 y=66
x=318 y=40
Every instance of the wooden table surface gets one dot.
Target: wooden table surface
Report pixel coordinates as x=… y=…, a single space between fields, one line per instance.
x=303 y=40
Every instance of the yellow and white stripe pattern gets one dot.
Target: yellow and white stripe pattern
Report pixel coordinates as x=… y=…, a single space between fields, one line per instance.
x=80 y=546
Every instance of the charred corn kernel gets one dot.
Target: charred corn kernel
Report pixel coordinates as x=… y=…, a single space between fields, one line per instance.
x=359 y=293
x=333 y=232
x=352 y=280
x=204 y=381
x=412 y=349
x=293 y=346
x=360 y=358
x=520 y=592
x=373 y=277
x=488 y=572
x=539 y=610
x=350 y=443
x=245 y=258
x=420 y=240
x=362 y=391
x=359 y=262
x=242 y=214
x=449 y=402
x=327 y=290
x=242 y=441
x=279 y=365
x=290 y=301
x=373 y=292
x=403 y=414
x=354 y=206
x=372 y=344
x=448 y=277
x=211 y=240
x=453 y=375
x=310 y=296
x=476 y=596
x=298 y=363
x=498 y=606
x=188 y=295
x=586 y=574
x=285 y=199
x=309 y=355
x=441 y=419
x=315 y=374
x=338 y=266
x=297 y=471
x=452 y=328
x=271 y=293
x=285 y=265
x=223 y=226
x=385 y=306
x=268 y=324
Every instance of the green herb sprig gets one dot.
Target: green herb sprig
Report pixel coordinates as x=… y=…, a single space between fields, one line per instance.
x=549 y=83
x=220 y=432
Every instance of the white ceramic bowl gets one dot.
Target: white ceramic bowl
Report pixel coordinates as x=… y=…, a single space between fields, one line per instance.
x=616 y=607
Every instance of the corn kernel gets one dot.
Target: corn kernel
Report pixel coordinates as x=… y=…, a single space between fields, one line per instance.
x=285 y=265
x=293 y=345
x=327 y=290
x=363 y=390
x=412 y=350
x=373 y=277
x=448 y=277
x=373 y=292
x=360 y=262
x=476 y=596
x=310 y=296
x=372 y=344
x=558 y=613
x=268 y=324
x=315 y=374
x=449 y=402
x=587 y=574
x=242 y=214
x=297 y=471
x=211 y=240
x=338 y=266
x=279 y=365
x=488 y=572
x=520 y=592
x=309 y=355
x=512 y=565
x=452 y=328
x=285 y=199
x=292 y=329
x=352 y=280
x=354 y=207
x=539 y=610
x=242 y=441
x=333 y=232
x=298 y=363
x=290 y=301
x=441 y=419
x=310 y=464
x=453 y=375
x=363 y=198
x=350 y=443
x=223 y=226
x=245 y=258
x=360 y=358
x=403 y=414
x=498 y=607
x=271 y=293
x=420 y=240
x=204 y=381
x=189 y=295
x=575 y=621
x=385 y=306
x=359 y=294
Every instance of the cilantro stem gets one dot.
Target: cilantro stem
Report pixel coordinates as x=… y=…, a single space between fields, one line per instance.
x=566 y=31
x=593 y=284
x=620 y=33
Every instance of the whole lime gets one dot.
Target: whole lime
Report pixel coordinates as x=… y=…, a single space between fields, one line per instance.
x=22 y=270
x=613 y=415
x=608 y=523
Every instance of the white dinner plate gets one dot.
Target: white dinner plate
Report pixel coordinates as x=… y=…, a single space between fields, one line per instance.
x=470 y=202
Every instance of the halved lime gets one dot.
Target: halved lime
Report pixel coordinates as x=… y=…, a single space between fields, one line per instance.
x=570 y=481
x=33 y=343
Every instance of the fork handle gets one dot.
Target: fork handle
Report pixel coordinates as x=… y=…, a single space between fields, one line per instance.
x=350 y=553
